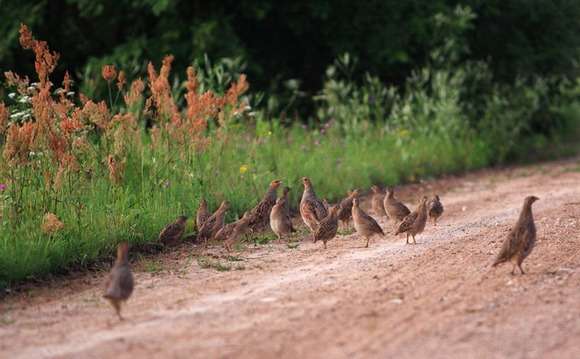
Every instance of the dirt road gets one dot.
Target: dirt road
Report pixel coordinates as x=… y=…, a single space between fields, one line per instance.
x=437 y=299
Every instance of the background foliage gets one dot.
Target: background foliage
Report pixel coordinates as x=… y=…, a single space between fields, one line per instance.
x=281 y=40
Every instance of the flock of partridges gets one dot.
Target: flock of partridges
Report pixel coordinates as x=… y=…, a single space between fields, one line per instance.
x=322 y=220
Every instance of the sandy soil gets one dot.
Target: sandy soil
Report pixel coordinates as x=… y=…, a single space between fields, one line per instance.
x=437 y=299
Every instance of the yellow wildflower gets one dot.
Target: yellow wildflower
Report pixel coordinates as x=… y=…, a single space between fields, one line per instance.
x=244 y=169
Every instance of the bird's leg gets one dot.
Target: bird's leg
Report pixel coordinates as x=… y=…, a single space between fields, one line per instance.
x=414 y=241
x=514 y=269
x=435 y=221
x=520 y=267
x=324 y=242
x=407 y=238
x=117 y=306
x=367 y=245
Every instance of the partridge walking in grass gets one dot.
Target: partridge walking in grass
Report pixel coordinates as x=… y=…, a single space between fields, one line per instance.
x=172 y=233
x=120 y=282
x=435 y=209
x=521 y=239
x=312 y=210
x=345 y=212
x=395 y=209
x=327 y=228
x=280 y=220
x=377 y=202
x=415 y=221
x=225 y=232
x=202 y=214
x=261 y=213
x=240 y=228
x=213 y=224
x=364 y=224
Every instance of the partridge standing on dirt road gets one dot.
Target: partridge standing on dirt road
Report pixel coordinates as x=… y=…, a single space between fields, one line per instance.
x=280 y=220
x=435 y=209
x=120 y=282
x=327 y=228
x=364 y=224
x=312 y=210
x=225 y=232
x=213 y=224
x=202 y=214
x=377 y=201
x=521 y=239
x=172 y=233
x=345 y=212
x=395 y=209
x=415 y=222
x=261 y=213
x=240 y=228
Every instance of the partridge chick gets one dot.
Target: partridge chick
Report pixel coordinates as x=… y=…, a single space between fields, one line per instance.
x=202 y=214
x=328 y=227
x=120 y=282
x=213 y=224
x=172 y=233
x=312 y=210
x=377 y=202
x=280 y=220
x=240 y=228
x=223 y=233
x=261 y=213
x=345 y=212
x=395 y=209
x=521 y=239
x=435 y=209
x=364 y=224
x=415 y=222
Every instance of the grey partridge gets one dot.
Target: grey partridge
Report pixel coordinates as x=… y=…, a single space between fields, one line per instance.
x=364 y=224
x=415 y=221
x=327 y=228
x=120 y=283
x=435 y=209
x=521 y=239
x=171 y=234
x=312 y=210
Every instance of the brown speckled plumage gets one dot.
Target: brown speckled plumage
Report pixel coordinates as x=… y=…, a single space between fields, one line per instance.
x=202 y=214
x=120 y=283
x=345 y=212
x=364 y=224
x=213 y=224
x=260 y=215
x=223 y=233
x=521 y=239
x=327 y=227
x=171 y=234
x=312 y=210
x=435 y=209
x=395 y=209
x=280 y=221
x=415 y=222
x=239 y=228
x=377 y=202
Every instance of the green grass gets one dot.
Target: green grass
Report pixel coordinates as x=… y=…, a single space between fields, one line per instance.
x=159 y=186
